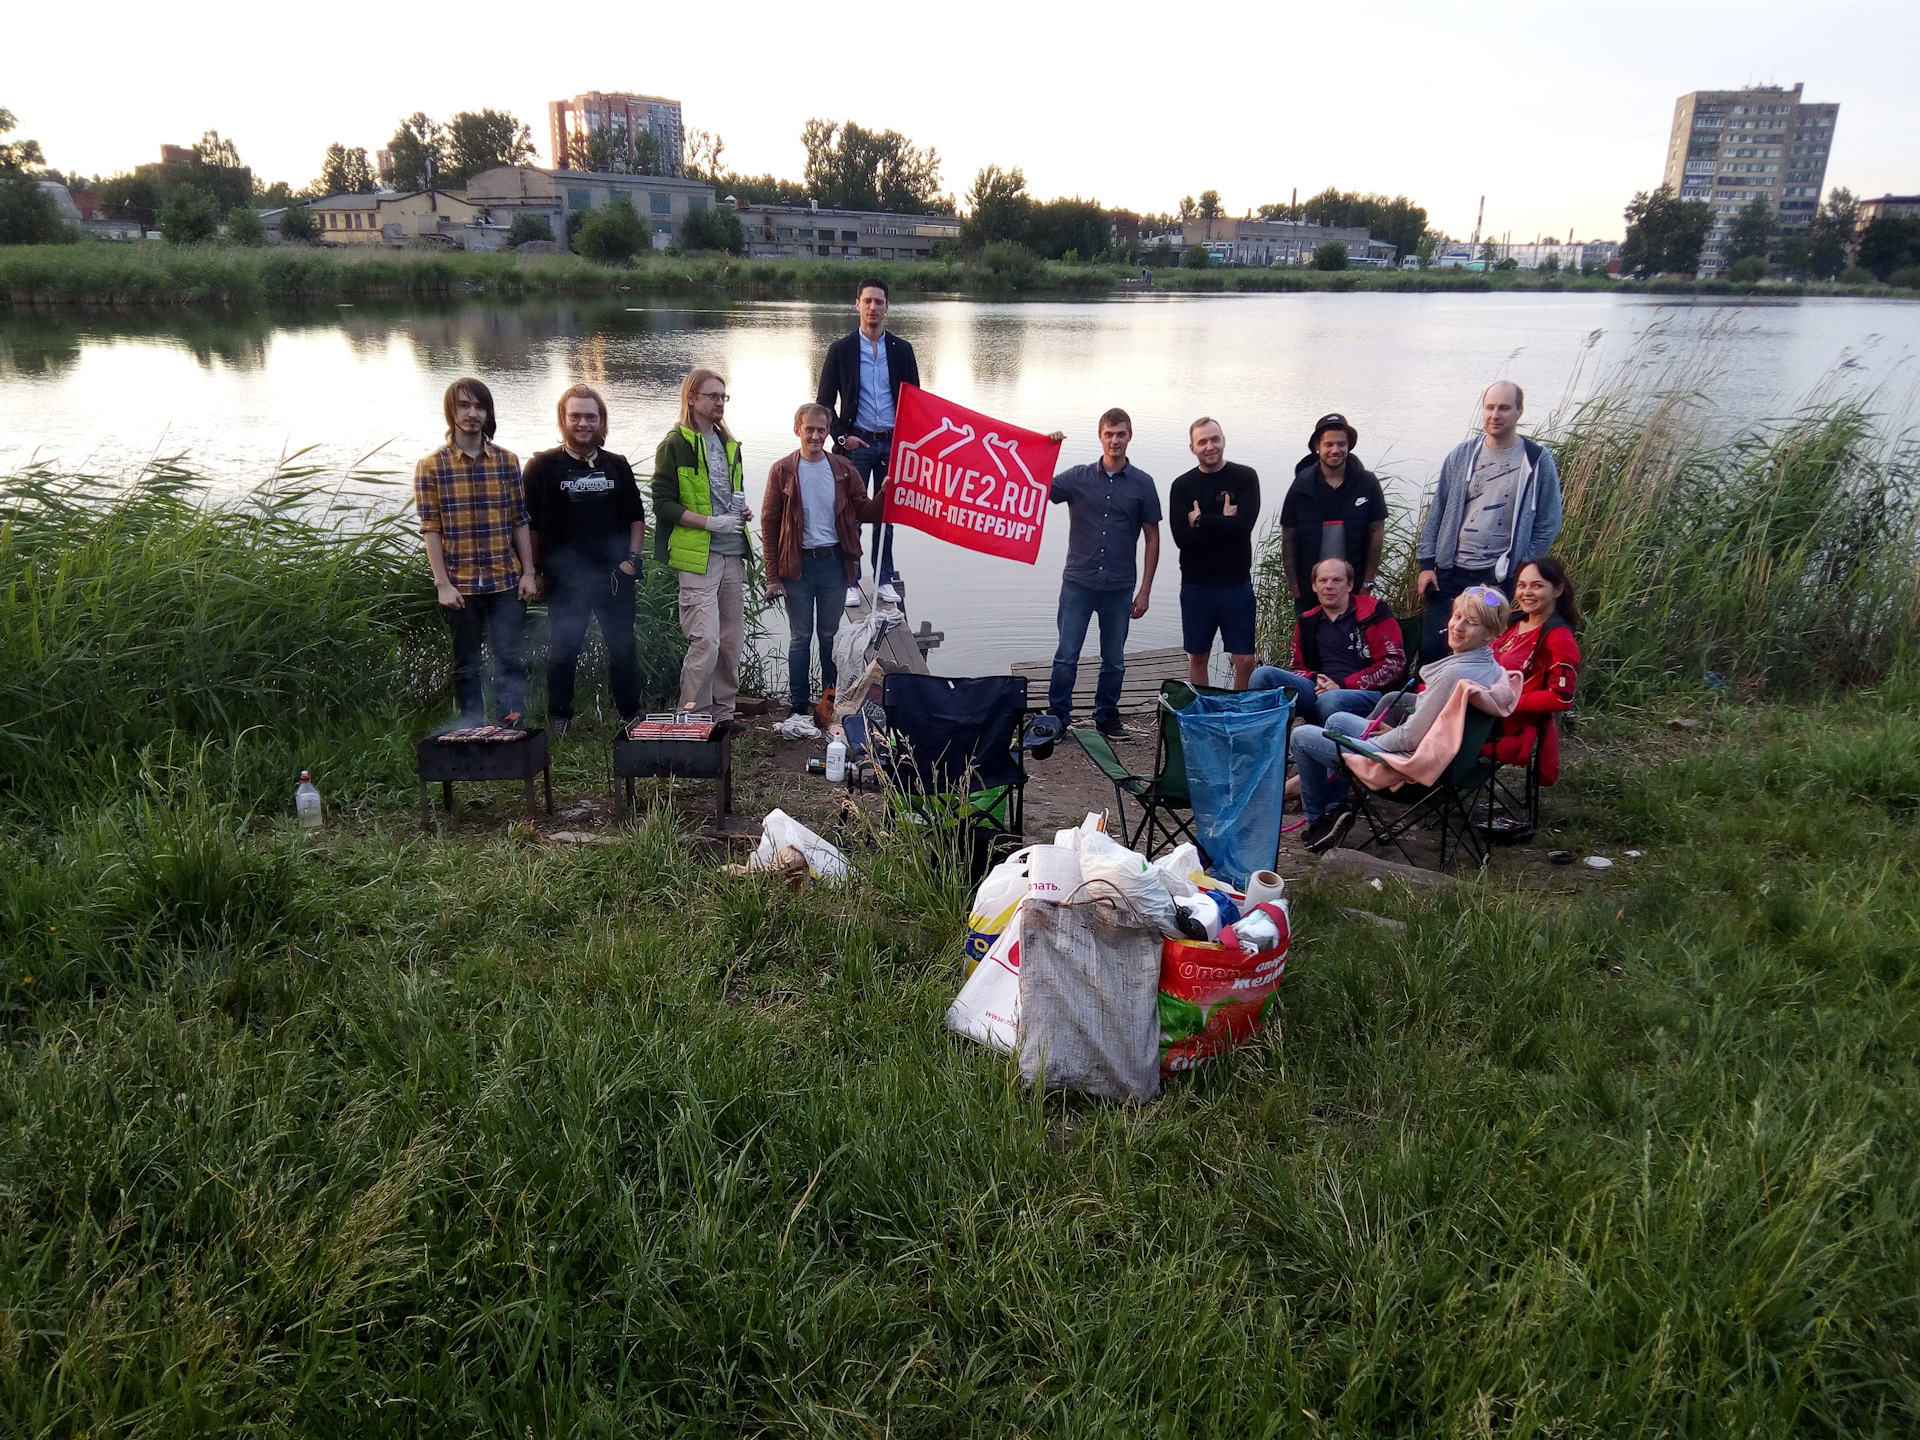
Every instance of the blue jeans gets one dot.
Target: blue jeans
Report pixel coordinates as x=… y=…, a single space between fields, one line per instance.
x=815 y=603
x=1310 y=706
x=1323 y=781
x=871 y=461
x=497 y=622
x=1451 y=580
x=1078 y=605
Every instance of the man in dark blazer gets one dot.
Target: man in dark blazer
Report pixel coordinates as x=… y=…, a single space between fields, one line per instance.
x=860 y=383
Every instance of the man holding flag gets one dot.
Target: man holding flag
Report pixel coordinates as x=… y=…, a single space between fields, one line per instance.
x=1110 y=505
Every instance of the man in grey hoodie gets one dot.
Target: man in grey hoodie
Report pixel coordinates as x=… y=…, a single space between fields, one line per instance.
x=1496 y=507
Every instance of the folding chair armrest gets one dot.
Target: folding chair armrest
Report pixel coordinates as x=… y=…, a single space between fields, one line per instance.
x=1105 y=759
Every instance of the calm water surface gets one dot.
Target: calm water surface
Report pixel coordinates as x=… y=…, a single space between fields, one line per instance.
x=361 y=386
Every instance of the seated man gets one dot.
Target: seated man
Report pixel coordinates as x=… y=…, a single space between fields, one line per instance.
x=1347 y=650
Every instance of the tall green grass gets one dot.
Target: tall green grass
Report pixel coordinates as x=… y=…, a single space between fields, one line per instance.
x=1783 y=557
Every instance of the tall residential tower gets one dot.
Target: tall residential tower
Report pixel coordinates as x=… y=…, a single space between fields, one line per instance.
x=572 y=122
x=1730 y=147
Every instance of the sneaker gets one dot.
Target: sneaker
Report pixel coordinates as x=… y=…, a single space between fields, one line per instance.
x=1114 y=729
x=855 y=597
x=887 y=595
x=1329 y=830
x=557 y=726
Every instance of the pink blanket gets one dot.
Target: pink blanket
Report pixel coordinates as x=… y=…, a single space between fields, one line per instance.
x=1435 y=752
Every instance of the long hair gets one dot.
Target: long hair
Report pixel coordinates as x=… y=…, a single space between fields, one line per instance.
x=583 y=392
x=1554 y=573
x=475 y=390
x=689 y=387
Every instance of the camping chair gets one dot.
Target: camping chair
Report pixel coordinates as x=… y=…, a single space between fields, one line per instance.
x=960 y=739
x=1448 y=802
x=1166 y=807
x=1513 y=817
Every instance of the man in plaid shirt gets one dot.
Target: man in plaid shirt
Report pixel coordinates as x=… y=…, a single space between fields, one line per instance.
x=473 y=517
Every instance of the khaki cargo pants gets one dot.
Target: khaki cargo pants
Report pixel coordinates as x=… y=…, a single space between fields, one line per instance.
x=713 y=618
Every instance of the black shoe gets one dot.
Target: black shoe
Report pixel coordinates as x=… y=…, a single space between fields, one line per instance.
x=1114 y=729
x=557 y=725
x=1329 y=830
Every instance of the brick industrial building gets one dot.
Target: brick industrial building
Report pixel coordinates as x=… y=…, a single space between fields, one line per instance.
x=1731 y=147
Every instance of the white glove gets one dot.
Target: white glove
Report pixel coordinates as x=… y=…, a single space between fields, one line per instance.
x=725 y=524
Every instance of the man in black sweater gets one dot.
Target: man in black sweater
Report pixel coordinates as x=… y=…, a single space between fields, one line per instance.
x=588 y=526
x=1334 y=510
x=1212 y=510
x=860 y=384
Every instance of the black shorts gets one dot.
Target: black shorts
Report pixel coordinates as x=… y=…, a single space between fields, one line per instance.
x=1227 y=610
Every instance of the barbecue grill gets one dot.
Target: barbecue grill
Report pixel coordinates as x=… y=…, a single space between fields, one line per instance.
x=446 y=760
x=660 y=759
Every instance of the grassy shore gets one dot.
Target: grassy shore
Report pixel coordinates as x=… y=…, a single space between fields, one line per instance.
x=158 y=274
x=378 y=1134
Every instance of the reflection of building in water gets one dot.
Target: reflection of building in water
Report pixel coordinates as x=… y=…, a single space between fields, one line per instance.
x=573 y=123
x=1280 y=242
x=1732 y=147
x=794 y=232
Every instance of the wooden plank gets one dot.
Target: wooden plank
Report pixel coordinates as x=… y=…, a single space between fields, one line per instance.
x=897 y=651
x=1139 y=690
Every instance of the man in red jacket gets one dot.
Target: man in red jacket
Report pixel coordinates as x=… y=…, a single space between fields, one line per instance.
x=1347 y=650
x=810 y=534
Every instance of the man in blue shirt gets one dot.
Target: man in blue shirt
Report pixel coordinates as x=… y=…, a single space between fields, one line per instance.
x=860 y=384
x=1110 y=504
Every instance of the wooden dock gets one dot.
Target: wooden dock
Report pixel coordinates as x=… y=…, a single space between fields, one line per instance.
x=1139 y=691
x=898 y=649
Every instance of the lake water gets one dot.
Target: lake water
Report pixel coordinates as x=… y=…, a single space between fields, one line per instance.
x=362 y=385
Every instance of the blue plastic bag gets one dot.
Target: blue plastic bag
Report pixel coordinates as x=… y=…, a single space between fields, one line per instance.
x=1236 y=754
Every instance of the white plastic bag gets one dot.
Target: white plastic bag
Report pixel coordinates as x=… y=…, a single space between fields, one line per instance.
x=994 y=902
x=1053 y=873
x=987 y=1008
x=779 y=830
x=1145 y=889
x=1180 y=865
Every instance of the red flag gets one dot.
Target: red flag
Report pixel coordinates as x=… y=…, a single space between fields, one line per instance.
x=968 y=478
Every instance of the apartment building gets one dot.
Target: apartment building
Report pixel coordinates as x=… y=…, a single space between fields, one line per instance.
x=1904 y=205
x=1730 y=147
x=571 y=123
x=788 y=232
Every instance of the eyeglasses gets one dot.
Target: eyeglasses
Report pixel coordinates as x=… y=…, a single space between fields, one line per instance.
x=721 y=398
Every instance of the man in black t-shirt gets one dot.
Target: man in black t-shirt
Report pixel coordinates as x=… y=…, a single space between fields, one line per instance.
x=1212 y=510
x=1335 y=510
x=588 y=526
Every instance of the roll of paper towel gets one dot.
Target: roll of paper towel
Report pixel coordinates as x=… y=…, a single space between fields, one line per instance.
x=1262 y=886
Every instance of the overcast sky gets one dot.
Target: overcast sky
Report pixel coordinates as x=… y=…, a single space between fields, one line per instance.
x=1555 y=112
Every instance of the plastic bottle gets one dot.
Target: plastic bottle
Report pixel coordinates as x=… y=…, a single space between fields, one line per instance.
x=306 y=803
x=836 y=760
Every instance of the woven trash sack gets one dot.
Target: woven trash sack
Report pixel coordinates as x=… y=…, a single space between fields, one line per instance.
x=1236 y=757
x=1215 y=996
x=1089 y=997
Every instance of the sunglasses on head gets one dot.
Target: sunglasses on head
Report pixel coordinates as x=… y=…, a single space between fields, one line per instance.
x=1485 y=594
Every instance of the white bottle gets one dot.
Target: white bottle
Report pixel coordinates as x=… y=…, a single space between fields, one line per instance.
x=836 y=760
x=306 y=803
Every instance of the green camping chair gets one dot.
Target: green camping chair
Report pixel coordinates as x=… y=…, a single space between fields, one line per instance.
x=1448 y=802
x=1166 y=809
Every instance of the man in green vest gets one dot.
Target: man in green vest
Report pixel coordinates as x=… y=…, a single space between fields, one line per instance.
x=700 y=504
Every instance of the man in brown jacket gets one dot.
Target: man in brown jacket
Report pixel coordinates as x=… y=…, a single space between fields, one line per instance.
x=810 y=534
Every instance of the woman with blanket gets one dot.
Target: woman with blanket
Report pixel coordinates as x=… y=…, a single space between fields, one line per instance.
x=1479 y=614
x=1540 y=645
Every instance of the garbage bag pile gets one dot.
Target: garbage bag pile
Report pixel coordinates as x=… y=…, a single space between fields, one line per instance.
x=1103 y=971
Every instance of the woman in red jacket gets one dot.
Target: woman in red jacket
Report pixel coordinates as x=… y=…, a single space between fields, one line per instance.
x=1540 y=644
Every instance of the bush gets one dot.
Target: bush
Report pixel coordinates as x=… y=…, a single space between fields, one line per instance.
x=1010 y=263
x=28 y=215
x=296 y=223
x=1332 y=255
x=1197 y=258
x=706 y=229
x=528 y=225
x=1907 y=278
x=189 y=216
x=614 y=232
x=1857 y=275
x=244 y=227
x=1748 y=269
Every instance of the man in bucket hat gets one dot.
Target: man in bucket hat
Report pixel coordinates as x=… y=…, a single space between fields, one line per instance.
x=1335 y=510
